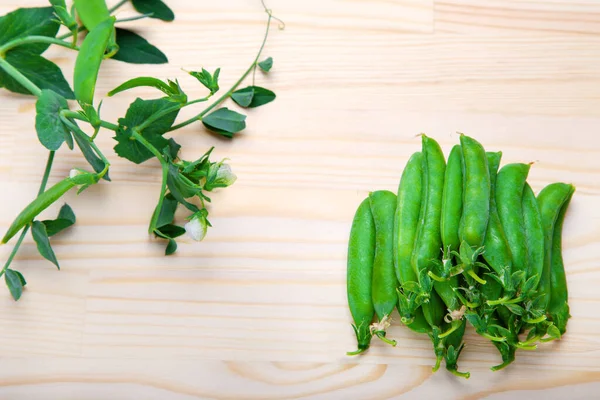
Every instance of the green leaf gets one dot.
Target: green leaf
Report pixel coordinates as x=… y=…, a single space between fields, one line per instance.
x=411 y=286
x=40 y=236
x=167 y=212
x=15 y=282
x=60 y=9
x=225 y=122
x=172 y=231
x=475 y=320
x=138 y=112
x=50 y=129
x=90 y=154
x=171 y=247
x=65 y=219
x=168 y=231
x=173 y=149
x=253 y=96
x=146 y=81
x=211 y=82
x=553 y=331
x=184 y=188
x=266 y=64
x=532 y=333
x=43 y=73
x=181 y=187
x=25 y=22
x=243 y=97
x=157 y=8
x=134 y=49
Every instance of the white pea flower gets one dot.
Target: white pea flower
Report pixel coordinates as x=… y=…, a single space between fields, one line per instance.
x=197 y=227
x=74 y=172
x=225 y=175
x=220 y=175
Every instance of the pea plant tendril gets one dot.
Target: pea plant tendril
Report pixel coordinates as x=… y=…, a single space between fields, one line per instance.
x=26 y=33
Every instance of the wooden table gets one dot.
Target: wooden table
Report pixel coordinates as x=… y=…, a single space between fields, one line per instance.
x=258 y=310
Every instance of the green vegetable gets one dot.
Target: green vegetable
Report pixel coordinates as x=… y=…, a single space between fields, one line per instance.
x=449 y=231
x=509 y=198
x=38 y=205
x=428 y=241
x=405 y=229
x=94 y=13
x=452 y=200
x=552 y=200
x=558 y=309
x=384 y=283
x=361 y=253
x=497 y=251
x=454 y=346
x=89 y=59
x=476 y=193
x=534 y=236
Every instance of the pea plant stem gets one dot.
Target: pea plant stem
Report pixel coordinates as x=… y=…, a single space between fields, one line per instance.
x=165 y=172
x=77 y=130
x=35 y=39
x=24 y=232
x=232 y=89
x=117 y=6
x=79 y=117
x=19 y=77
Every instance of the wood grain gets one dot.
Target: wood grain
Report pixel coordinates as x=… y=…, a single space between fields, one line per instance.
x=258 y=310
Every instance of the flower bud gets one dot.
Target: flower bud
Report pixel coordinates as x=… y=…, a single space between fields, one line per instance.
x=196 y=227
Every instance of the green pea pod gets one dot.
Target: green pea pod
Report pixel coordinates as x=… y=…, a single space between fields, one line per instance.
x=419 y=323
x=38 y=205
x=434 y=315
x=429 y=238
x=454 y=345
x=558 y=309
x=385 y=284
x=509 y=197
x=551 y=201
x=534 y=236
x=407 y=218
x=452 y=200
x=497 y=252
x=476 y=193
x=361 y=253
x=92 y=13
x=405 y=229
x=506 y=348
x=88 y=62
x=429 y=242
x=434 y=310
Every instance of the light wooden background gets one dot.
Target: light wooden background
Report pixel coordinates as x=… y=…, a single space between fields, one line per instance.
x=258 y=310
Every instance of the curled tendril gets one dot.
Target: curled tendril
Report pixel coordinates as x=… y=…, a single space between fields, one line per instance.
x=269 y=11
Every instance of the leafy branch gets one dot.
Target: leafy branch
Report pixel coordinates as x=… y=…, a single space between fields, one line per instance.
x=26 y=33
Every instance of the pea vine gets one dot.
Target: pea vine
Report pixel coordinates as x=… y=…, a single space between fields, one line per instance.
x=26 y=33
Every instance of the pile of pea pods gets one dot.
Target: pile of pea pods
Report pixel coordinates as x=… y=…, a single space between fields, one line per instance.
x=463 y=240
